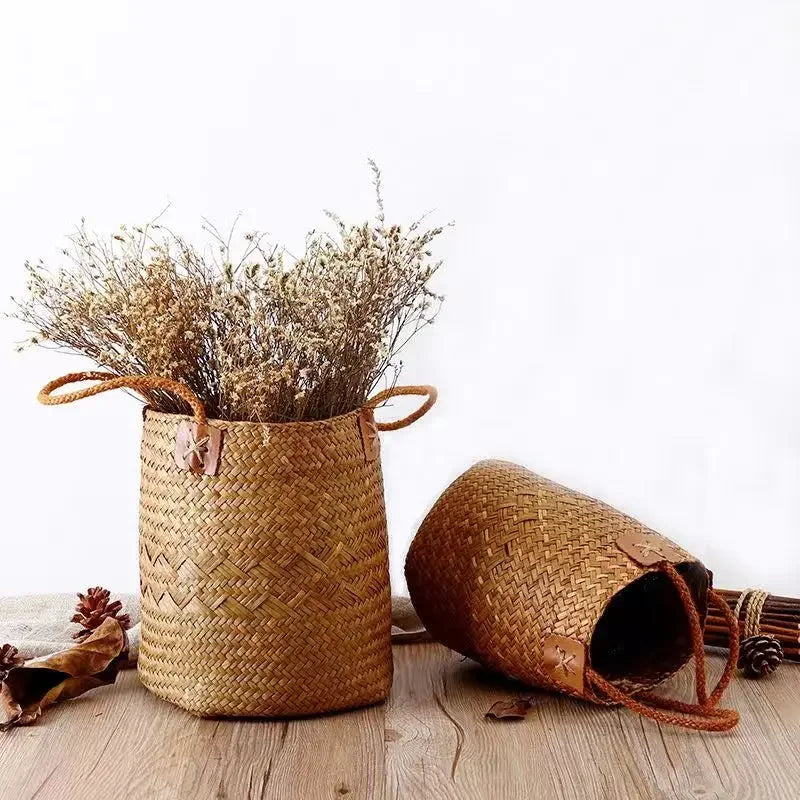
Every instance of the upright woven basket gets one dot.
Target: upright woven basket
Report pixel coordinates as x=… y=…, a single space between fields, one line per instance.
x=263 y=559
x=564 y=592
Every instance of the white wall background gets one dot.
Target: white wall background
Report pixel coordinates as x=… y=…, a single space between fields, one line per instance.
x=623 y=282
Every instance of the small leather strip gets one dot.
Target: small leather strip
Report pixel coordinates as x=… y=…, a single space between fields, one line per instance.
x=370 y=437
x=198 y=447
x=647 y=549
x=565 y=662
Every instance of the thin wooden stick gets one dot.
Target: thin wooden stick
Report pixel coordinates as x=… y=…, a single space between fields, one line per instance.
x=789 y=653
x=784 y=620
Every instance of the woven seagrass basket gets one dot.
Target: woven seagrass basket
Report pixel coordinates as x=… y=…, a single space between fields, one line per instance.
x=263 y=557
x=565 y=593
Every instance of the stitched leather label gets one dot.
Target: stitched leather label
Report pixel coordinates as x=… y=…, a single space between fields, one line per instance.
x=564 y=661
x=198 y=448
x=647 y=549
x=369 y=434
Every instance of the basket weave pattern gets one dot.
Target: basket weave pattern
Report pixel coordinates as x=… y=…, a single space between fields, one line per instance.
x=265 y=588
x=532 y=559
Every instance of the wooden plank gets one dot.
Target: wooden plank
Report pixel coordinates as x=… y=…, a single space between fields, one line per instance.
x=439 y=744
x=445 y=747
x=430 y=741
x=121 y=742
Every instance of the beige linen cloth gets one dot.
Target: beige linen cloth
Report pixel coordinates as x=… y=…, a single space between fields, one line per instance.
x=38 y=625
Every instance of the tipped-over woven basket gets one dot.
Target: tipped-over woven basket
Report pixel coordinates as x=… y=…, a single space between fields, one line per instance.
x=566 y=593
x=263 y=557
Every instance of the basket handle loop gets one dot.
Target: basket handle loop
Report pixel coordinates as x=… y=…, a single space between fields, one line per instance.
x=703 y=715
x=108 y=381
x=429 y=392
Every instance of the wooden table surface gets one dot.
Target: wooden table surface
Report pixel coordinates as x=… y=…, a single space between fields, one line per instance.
x=429 y=741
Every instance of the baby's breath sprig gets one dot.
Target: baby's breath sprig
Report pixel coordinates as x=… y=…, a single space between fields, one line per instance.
x=256 y=334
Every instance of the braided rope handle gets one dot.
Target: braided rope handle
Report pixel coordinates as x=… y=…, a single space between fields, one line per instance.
x=108 y=381
x=703 y=715
x=428 y=392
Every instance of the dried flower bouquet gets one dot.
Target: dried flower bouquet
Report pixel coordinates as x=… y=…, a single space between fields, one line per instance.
x=258 y=336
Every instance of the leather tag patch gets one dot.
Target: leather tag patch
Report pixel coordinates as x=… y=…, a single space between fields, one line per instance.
x=369 y=434
x=647 y=549
x=198 y=448
x=564 y=661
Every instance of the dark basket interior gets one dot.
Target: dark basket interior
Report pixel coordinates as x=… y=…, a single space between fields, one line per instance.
x=643 y=634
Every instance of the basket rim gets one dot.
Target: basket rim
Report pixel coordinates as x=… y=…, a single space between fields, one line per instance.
x=150 y=411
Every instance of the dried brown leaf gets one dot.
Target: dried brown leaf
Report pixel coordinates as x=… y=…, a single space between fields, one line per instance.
x=510 y=709
x=28 y=690
x=9 y=658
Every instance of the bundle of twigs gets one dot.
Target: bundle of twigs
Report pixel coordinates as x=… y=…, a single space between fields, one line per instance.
x=769 y=628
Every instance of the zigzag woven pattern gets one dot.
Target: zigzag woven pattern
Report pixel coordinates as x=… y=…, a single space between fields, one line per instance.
x=506 y=558
x=265 y=588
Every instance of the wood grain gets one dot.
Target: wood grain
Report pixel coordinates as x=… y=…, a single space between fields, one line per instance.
x=430 y=741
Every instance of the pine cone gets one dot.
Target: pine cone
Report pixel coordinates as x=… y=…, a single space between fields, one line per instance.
x=9 y=658
x=94 y=608
x=760 y=655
